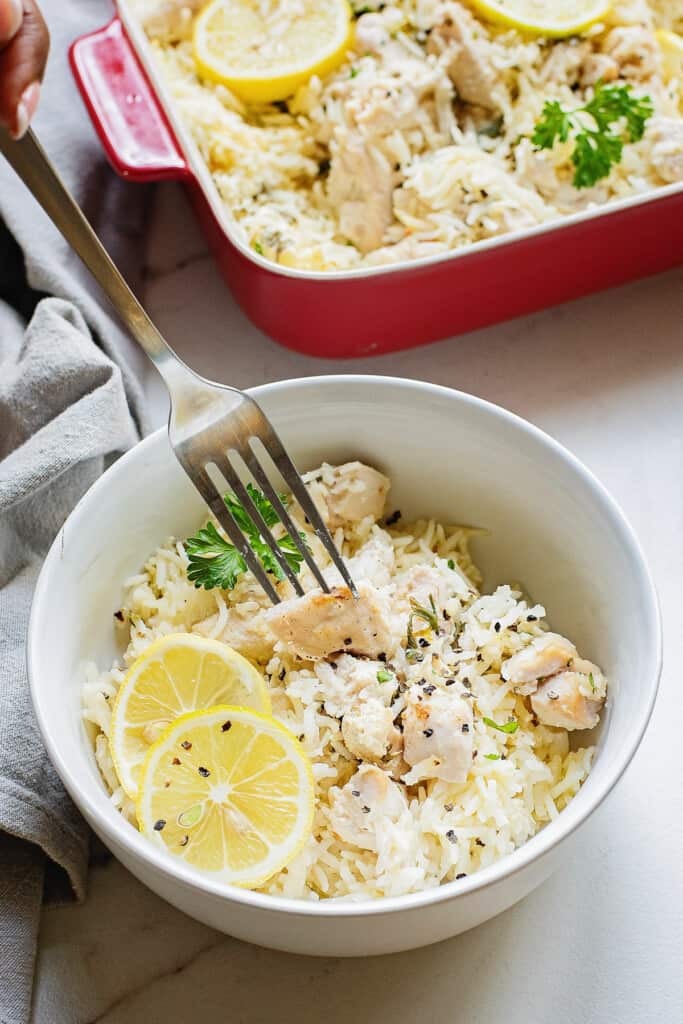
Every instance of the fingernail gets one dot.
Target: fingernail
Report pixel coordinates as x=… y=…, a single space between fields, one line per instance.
x=13 y=14
x=26 y=109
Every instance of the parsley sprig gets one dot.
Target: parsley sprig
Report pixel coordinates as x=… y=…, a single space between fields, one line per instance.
x=215 y=562
x=599 y=129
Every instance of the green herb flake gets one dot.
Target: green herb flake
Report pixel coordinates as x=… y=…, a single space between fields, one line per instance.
x=257 y=247
x=599 y=129
x=353 y=72
x=216 y=563
x=492 y=757
x=384 y=675
x=508 y=728
x=592 y=682
x=428 y=615
x=451 y=564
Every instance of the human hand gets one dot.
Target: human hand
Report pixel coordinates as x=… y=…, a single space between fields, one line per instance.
x=24 y=44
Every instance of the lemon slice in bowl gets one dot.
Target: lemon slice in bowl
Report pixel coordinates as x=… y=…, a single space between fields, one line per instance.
x=230 y=792
x=671 y=48
x=263 y=50
x=554 y=18
x=176 y=674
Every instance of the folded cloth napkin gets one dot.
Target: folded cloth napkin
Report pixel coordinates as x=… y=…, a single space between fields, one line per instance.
x=70 y=401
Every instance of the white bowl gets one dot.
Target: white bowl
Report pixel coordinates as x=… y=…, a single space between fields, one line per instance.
x=449 y=455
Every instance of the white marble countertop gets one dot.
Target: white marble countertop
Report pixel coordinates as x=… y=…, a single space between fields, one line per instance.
x=600 y=942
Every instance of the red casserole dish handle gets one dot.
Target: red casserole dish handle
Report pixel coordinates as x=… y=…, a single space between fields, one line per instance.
x=133 y=128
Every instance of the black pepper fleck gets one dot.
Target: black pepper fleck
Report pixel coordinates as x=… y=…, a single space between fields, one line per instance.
x=479 y=842
x=282 y=673
x=427 y=732
x=532 y=618
x=226 y=726
x=382 y=656
x=446 y=616
x=355 y=792
x=448 y=807
x=184 y=841
x=176 y=760
x=204 y=772
x=396 y=515
x=365 y=809
x=466 y=683
x=423 y=641
x=451 y=836
x=450 y=682
x=429 y=688
x=348 y=641
x=119 y=615
x=186 y=745
x=461 y=874
x=159 y=825
x=497 y=627
x=465 y=727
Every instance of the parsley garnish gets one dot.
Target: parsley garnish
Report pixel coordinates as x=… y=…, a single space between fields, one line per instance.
x=215 y=562
x=592 y=682
x=509 y=727
x=428 y=615
x=614 y=115
x=257 y=247
x=353 y=72
x=383 y=676
x=492 y=757
x=451 y=564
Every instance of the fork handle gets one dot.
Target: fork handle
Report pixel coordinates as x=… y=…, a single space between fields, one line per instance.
x=28 y=158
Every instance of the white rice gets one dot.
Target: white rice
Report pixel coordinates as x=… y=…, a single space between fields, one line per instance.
x=517 y=782
x=456 y=173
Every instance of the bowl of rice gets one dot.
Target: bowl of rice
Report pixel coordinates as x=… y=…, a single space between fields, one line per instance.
x=494 y=685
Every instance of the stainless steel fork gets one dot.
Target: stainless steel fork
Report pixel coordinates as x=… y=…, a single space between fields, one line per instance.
x=210 y=424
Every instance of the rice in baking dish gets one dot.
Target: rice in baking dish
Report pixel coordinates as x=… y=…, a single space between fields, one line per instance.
x=436 y=802
x=438 y=157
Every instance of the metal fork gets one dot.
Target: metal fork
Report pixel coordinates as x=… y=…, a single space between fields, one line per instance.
x=209 y=424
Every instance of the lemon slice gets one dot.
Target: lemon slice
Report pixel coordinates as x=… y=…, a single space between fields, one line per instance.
x=179 y=673
x=230 y=792
x=554 y=18
x=671 y=46
x=263 y=50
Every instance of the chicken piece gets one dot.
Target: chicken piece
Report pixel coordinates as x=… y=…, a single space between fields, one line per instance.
x=247 y=633
x=318 y=624
x=598 y=67
x=357 y=491
x=359 y=188
x=168 y=21
x=421 y=582
x=470 y=66
x=544 y=656
x=635 y=51
x=559 y=701
x=369 y=731
x=374 y=35
x=347 y=681
x=367 y=803
x=564 y=62
x=437 y=735
x=666 y=135
x=375 y=561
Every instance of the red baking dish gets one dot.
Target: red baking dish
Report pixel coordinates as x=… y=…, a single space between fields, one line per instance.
x=383 y=309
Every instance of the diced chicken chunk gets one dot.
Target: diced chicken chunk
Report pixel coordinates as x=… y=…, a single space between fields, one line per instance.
x=318 y=624
x=357 y=491
x=368 y=730
x=369 y=801
x=598 y=67
x=437 y=735
x=373 y=562
x=559 y=701
x=635 y=51
x=666 y=135
x=544 y=656
x=471 y=68
x=347 y=681
x=247 y=633
x=359 y=187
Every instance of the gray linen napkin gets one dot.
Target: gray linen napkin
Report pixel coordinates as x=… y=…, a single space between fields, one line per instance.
x=70 y=401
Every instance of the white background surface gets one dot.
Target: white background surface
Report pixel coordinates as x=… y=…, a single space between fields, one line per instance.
x=601 y=942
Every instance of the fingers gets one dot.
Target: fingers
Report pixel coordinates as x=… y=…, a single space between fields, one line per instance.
x=22 y=65
x=10 y=20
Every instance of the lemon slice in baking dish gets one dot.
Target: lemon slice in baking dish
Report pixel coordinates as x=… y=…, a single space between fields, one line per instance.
x=178 y=673
x=671 y=48
x=229 y=791
x=263 y=50
x=554 y=18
